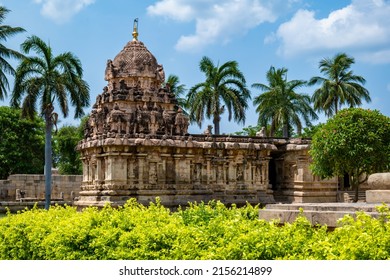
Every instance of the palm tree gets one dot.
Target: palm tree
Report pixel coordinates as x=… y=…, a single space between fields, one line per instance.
x=280 y=105
x=339 y=87
x=5 y=53
x=224 y=84
x=48 y=79
x=173 y=83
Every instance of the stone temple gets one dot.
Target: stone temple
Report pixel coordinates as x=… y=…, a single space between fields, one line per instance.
x=137 y=145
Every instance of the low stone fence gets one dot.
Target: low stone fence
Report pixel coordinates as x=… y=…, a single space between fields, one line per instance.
x=28 y=187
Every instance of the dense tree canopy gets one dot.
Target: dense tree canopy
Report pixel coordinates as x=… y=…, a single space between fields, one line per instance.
x=355 y=142
x=21 y=143
x=66 y=157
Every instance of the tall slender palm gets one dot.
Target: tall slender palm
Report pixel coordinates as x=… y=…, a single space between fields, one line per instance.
x=47 y=79
x=280 y=105
x=339 y=87
x=6 y=53
x=173 y=82
x=224 y=84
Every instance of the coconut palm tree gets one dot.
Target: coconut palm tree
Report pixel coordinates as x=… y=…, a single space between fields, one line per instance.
x=48 y=80
x=224 y=89
x=173 y=83
x=280 y=105
x=339 y=86
x=6 y=53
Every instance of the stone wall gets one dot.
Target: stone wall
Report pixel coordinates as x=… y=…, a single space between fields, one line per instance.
x=64 y=187
x=294 y=182
x=177 y=169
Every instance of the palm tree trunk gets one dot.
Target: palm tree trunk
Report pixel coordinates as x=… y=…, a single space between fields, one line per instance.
x=285 y=131
x=48 y=157
x=216 y=124
x=272 y=129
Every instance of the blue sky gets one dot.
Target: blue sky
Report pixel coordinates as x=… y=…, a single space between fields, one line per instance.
x=295 y=34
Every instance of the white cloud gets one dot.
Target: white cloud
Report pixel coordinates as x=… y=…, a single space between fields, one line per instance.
x=375 y=57
x=62 y=10
x=362 y=24
x=177 y=10
x=216 y=20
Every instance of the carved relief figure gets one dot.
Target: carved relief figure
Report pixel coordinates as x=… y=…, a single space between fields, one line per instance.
x=219 y=174
x=181 y=122
x=117 y=119
x=153 y=125
x=197 y=173
x=261 y=133
x=109 y=70
x=160 y=73
x=208 y=130
x=153 y=174
x=167 y=122
x=240 y=173
x=130 y=121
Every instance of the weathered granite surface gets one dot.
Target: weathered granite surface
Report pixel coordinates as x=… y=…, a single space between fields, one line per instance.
x=379 y=188
x=317 y=213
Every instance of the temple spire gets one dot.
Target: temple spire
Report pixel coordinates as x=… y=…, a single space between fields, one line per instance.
x=135 y=30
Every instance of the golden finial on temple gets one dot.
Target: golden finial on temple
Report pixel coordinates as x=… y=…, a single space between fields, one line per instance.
x=135 y=30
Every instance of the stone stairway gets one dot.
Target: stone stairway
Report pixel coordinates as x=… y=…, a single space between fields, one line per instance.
x=349 y=195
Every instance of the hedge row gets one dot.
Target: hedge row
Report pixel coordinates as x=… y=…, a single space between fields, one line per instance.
x=201 y=231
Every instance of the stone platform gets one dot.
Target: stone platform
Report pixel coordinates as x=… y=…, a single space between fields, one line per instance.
x=316 y=213
x=15 y=206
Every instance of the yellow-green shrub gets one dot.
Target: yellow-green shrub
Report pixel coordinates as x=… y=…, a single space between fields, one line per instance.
x=199 y=231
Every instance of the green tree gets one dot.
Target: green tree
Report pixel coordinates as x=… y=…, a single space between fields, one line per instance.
x=339 y=86
x=250 y=130
x=65 y=142
x=355 y=142
x=280 y=105
x=6 y=31
x=309 y=131
x=46 y=79
x=21 y=143
x=224 y=89
x=173 y=83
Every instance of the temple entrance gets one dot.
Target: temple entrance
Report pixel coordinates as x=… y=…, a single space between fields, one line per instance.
x=272 y=174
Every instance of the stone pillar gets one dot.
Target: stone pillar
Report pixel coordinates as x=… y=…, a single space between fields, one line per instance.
x=162 y=169
x=85 y=170
x=141 y=170
x=178 y=169
x=187 y=168
x=130 y=171
x=208 y=170
x=153 y=173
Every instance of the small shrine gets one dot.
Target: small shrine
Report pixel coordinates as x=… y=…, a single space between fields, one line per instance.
x=137 y=145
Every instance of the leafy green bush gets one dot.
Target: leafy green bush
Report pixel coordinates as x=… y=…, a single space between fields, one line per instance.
x=200 y=231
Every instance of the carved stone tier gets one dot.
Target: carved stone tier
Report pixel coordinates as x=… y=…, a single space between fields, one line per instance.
x=177 y=169
x=135 y=101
